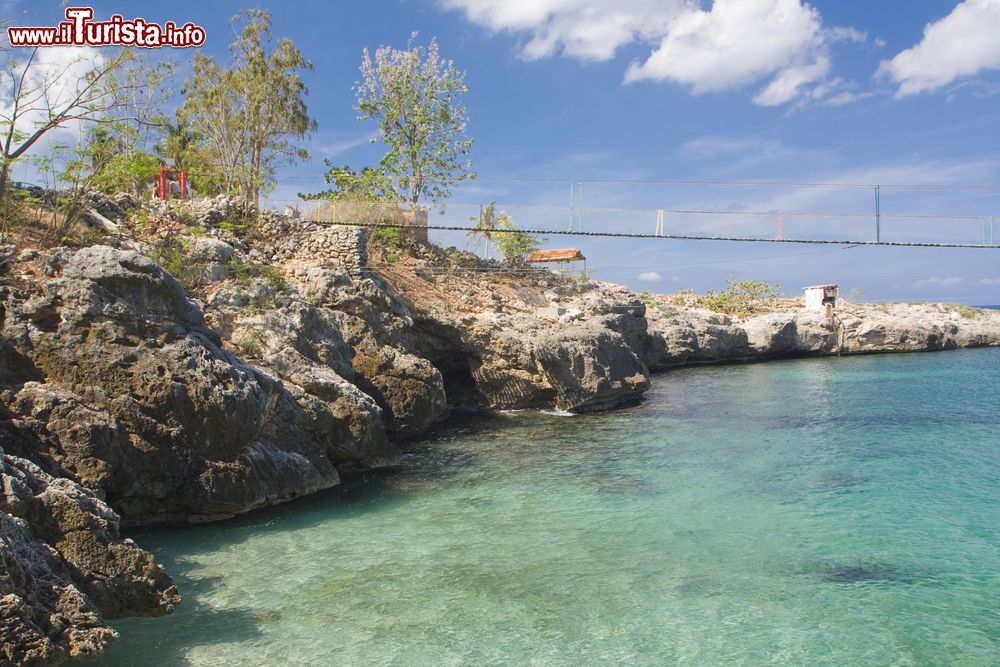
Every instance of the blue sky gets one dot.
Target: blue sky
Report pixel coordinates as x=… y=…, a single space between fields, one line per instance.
x=861 y=93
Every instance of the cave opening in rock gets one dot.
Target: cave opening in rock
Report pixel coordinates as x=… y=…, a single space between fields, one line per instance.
x=459 y=386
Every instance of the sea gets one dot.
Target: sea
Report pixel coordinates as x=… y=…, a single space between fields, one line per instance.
x=835 y=511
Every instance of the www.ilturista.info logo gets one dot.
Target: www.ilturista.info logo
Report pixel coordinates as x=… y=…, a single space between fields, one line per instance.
x=79 y=30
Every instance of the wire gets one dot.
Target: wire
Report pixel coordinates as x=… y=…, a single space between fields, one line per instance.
x=714 y=183
x=673 y=237
x=787 y=214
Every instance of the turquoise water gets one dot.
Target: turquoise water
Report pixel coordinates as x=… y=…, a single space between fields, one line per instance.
x=819 y=512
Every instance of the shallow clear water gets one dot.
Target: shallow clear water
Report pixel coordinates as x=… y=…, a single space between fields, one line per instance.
x=820 y=512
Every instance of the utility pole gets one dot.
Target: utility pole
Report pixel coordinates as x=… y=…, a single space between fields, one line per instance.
x=572 y=200
x=878 y=215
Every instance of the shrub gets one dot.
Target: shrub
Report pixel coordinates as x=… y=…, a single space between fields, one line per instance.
x=252 y=342
x=275 y=278
x=741 y=298
x=965 y=312
x=240 y=271
x=127 y=172
x=246 y=228
x=171 y=256
x=513 y=243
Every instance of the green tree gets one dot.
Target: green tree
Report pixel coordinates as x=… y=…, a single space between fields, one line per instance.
x=742 y=298
x=102 y=145
x=513 y=243
x=180 y=144
x=250 y=115
x=416 y=99
x=486 y=224
x=368 y=185
x=130 y=172
x=41 y=97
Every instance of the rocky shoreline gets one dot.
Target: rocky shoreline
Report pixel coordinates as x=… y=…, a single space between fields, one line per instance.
x=125 y=394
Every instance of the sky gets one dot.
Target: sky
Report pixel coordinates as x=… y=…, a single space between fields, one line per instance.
x=624 y=107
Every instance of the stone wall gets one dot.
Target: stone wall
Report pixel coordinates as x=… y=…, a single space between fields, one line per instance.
x=288 y=238
x=345 y=245
x=413 y=223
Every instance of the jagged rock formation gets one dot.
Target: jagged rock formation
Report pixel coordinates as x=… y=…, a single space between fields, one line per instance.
x=64 y=569
x=114 y=380
x=693 y=336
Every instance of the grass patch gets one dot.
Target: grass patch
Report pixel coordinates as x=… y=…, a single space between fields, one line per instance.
x=965 y=312
x=252 y=342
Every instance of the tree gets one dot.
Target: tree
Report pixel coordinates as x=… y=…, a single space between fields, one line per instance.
x=416 y=99
x=48 y=94
x=513 y=243
x=487 y=223
x=368 y=185
x=180 y=144
x=101 y=146
x=250 y=115
x=130 y=172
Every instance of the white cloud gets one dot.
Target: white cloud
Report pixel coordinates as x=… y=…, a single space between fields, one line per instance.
x=338 y=147
x=717 y=146
x=54 y=76
x=586 y=29
x=961 y=44
x=934 y=282
x=789 y=83
x=734 y=44
x=650 y=277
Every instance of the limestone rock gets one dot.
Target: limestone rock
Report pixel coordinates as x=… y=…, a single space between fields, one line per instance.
x=140 y=402
x=691 y=337
x=64 y=569
x=44 y=619
x=591 y=368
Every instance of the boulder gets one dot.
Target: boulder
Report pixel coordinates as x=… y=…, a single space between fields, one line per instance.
x=125 y=388
x=64 y=569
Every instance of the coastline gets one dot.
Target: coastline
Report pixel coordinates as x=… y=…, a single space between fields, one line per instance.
x=165 y=403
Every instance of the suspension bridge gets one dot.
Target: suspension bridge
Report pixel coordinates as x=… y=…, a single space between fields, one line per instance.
x=761 y=212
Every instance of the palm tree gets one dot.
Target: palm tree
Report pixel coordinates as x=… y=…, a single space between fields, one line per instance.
x=485 y=224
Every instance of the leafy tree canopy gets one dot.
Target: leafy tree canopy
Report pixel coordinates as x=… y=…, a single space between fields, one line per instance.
x=415 y=96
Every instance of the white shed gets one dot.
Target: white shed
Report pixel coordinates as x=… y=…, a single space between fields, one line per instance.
x=819 y=296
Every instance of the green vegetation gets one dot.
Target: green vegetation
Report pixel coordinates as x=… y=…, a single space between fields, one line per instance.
x=171 y=255
x=247 y=117
x=486 y=224
x=240 y=271
x=965 y=312
x=107 y=88
x=514 y=244
x=128 y=172
x=368 y=185
x=252 y=342
x=741 y=298
x=275 y=278
x=416 y=99
x=648 y=299
x=191 y=153
x=245 y=228
x=389 y=242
